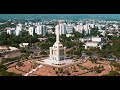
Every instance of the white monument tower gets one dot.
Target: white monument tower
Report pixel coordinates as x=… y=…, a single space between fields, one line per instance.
x=57 y=52
x=57 y=56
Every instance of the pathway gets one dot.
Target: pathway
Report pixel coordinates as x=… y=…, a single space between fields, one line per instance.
x=33 y=70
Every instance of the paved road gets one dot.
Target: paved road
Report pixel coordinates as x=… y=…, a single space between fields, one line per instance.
x=33 y=70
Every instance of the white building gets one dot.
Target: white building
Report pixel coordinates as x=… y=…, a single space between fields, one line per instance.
x=38 y=30
x=115 y=26
x=85 y=39
x=44 y=30
x=87 y=29
x=92 y=39
x=69 y=29
x=23 y=44
x=42 y=39
x=62 y=28
x=80 y=28
x=97 y=39
x=26 y=23
x=110 y=34
x=99 y=26
x=93 y=42
x=69 y=35
x=18 y=29
x=92 y=45
x=31 y=30
x=92 y=25
x=10 y=31
x=41 y=30
x=13 y=48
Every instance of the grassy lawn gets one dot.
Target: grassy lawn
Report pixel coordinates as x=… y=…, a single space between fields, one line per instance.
x=83 y=68
x=112 y=73
x=5 y=73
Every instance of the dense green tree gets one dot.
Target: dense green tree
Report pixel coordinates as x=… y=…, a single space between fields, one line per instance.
x=94 y=32
x=12 y=40
x=5 y=73
x=43 y=52
x=78 y=35
x=23 y=50
x=25 y=55
x=3 y=67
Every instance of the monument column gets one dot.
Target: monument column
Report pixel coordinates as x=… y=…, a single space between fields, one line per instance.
x=57 y=35
x=58 y=53
x=50 y=52
x=64 y=53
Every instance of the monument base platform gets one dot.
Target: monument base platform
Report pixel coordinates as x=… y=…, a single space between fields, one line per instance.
x=62 y=63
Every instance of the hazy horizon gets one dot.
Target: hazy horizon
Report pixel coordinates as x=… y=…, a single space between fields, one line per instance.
x=61 y=16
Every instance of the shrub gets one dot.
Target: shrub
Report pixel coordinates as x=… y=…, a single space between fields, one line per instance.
x=113 y=73
x=3 y=67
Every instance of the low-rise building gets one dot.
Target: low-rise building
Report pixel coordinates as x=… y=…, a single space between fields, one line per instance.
x=69 y=35
x=97 y=39
x=13 y=48
x=42 y=39
x=92 y=45
x=10 y=31
x=23 y=44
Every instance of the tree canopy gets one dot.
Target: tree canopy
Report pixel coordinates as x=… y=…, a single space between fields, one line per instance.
x=12 y=40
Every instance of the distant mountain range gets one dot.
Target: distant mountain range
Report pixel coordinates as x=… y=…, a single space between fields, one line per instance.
x=61 y=16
